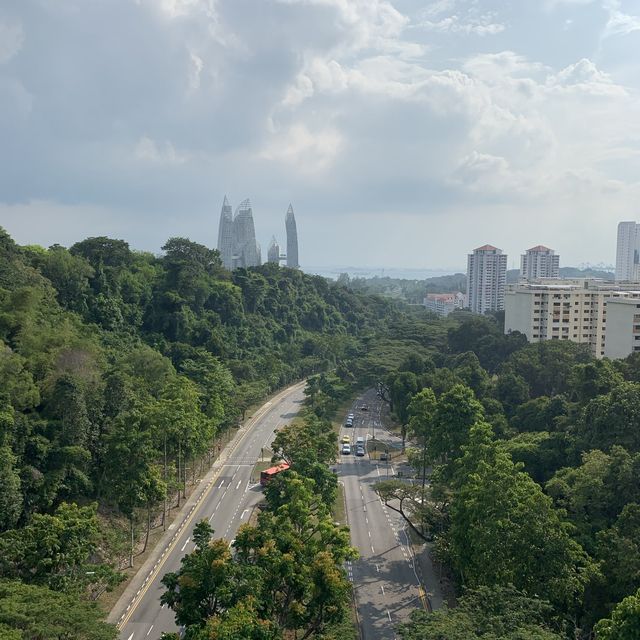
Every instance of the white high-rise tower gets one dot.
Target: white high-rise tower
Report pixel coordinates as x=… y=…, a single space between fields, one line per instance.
x=539 y=262
x=628 y=252
x=486 y=279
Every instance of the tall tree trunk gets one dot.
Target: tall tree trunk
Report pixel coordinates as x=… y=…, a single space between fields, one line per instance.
x=184 y=471
x=164 y=505
x=131 y=541
x=146 y=537
x=179 y=472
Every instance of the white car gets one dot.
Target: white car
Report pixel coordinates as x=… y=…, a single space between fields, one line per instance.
x=346 y=449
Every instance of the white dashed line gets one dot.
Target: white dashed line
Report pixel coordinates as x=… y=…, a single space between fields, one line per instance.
x=186 y=543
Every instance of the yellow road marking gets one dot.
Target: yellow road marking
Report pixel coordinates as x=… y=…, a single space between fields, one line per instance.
x=152 y=576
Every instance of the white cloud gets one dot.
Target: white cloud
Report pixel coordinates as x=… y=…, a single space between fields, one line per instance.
x=11 y=40
x=149 y=150
x=350 y=108
x=305 y=150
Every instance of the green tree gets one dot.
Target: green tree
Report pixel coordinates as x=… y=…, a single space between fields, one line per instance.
x=41 y=613
x=134 y=479
x=61 y=551
x=241 y=621
x=298 y=554
x=512 y=391
x=10 y=494
x=624 y=623
x=486 y=613
x=504 y=530
x=594 y=493
x=207 y=582
x=613 y=418
x=456 y=412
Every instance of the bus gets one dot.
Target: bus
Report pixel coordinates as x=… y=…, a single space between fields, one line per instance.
x=267 y=474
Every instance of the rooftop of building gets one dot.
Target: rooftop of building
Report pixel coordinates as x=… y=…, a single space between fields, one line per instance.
x=574 y=284
x=443 y=296
x=487 y=247
x=539 y=247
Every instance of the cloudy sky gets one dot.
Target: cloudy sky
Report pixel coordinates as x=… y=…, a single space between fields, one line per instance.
x=404 y=132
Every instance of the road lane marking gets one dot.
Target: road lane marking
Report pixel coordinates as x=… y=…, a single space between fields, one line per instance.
x=388 y=614
x=131 y=636
x=133 y=605
x=221 y=484
x=186 y=543
x=150 y=628
x=238 y=485
x=382 y=588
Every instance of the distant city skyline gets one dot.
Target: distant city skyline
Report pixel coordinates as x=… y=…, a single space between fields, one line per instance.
x=403 y=129
x=237 y=242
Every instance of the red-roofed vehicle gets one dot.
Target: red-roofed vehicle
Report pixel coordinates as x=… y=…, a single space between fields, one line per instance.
x=267 y=474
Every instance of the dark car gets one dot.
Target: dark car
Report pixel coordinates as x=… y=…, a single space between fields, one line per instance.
x=360 y=451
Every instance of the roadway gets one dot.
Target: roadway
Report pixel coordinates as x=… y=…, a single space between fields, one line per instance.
x=226 y=501
x=386 y=585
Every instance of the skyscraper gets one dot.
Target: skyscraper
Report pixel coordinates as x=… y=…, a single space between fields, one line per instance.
x=292 y=239
x=486 y=279
x=237 y=238
x=539 y=262
x=246 y=252
x=225 y=235
x=628 y=252
x=273 y=254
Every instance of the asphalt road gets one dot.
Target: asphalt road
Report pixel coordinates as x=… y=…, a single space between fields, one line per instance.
x=385 y=581
x=226 y=501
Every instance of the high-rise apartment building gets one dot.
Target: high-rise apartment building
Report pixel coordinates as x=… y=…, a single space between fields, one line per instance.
x=628 y=252
x=539 y=262
x=574 y=310
x=292 y=239
x=486 y=279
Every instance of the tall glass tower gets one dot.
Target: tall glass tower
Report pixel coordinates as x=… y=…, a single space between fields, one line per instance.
x=225 y=235
x=292 y=239
x=246 y=252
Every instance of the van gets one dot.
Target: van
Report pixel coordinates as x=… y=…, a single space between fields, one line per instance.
x=360 y=441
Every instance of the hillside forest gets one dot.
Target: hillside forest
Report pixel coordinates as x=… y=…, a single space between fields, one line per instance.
x=120 y=371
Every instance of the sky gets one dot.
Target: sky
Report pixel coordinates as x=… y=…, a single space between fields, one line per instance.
x=404 y=132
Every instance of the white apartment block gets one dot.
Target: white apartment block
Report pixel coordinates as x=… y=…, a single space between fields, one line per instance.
x=486 y=279
x=575 y=310
x=628 y=252
x=623 y=327
x=539 y=262
x=444 y=303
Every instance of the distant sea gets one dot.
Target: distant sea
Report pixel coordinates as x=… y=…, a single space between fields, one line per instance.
x=381 y=272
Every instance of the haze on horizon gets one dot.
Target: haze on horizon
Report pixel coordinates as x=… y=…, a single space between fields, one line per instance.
x=404 y=132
